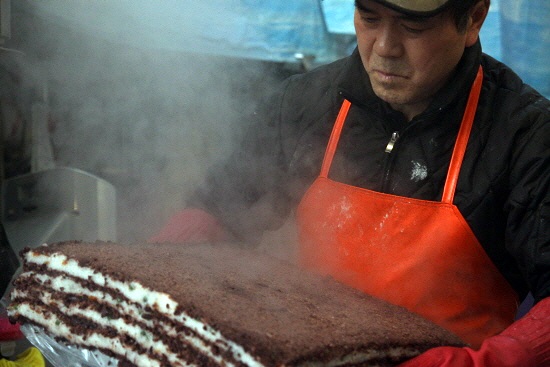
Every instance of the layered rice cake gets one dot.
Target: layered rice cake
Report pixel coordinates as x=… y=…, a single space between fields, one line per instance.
x=209 y=305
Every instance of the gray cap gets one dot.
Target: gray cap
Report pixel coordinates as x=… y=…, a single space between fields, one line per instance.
x=416 y=7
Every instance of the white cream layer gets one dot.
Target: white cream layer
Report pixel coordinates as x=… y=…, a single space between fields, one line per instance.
x=57 y=327
x=134 y=291
x=143 y=336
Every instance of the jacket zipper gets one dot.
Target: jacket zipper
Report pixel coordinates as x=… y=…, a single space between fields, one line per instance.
x=389 y=148
x=391 y=143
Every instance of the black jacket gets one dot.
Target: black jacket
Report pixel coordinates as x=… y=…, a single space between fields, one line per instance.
x=504 y=184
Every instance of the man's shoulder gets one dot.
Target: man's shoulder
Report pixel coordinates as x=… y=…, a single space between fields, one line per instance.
x=500 y=77
x=321 y=77
x=507 y=91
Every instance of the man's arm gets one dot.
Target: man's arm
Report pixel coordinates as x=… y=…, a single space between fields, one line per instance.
x=245 y=194
x=525 y=343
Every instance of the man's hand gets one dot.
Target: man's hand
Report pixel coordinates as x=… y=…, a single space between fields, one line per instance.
x=191 y=226
x=525 y=343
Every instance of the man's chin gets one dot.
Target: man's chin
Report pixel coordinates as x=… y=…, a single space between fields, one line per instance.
x=390 y=95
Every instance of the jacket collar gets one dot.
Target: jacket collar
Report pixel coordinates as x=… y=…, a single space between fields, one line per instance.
x=356 y=87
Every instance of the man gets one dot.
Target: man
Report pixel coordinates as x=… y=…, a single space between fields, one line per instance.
x=434 y=184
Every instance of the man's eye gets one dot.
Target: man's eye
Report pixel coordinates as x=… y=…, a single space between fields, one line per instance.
x=370 y=20
x=413 y=30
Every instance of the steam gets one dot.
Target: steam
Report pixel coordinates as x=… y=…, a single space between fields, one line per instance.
x=143 y=115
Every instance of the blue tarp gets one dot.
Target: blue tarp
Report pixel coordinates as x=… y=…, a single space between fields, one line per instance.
x=516 y=31
x=525 y=35
x=266 y=30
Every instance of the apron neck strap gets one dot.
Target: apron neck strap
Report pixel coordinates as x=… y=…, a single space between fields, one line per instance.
x=334 y=137
x=462 y=139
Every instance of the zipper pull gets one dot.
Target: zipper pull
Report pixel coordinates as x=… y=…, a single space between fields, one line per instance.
x=392 y=141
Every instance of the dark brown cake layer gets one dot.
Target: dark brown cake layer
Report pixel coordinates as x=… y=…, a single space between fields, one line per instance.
x=277 y=312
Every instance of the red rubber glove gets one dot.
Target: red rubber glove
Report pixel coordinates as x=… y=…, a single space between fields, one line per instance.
x=9 y=331
x=191 y=226
x=525 y=343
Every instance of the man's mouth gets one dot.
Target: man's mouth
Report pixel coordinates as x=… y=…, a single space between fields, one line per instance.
x=387 y=75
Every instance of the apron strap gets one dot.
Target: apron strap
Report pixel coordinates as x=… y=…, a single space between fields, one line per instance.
x=462 y=139
x=334 y=137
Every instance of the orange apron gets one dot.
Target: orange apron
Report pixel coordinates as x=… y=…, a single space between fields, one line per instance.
x=414 y=253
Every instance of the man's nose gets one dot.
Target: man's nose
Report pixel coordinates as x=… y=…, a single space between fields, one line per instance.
x=388 y=42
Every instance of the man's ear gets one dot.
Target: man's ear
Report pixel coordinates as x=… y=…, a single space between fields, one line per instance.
x=475 y=20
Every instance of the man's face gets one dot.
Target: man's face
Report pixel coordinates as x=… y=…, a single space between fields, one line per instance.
x=408 y=59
